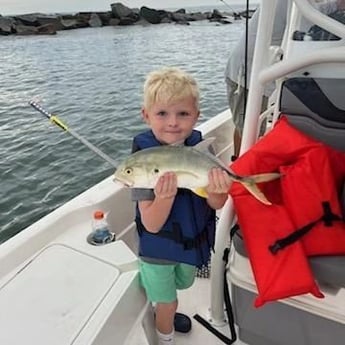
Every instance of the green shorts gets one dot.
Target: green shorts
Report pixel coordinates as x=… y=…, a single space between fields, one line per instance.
x=161 y=282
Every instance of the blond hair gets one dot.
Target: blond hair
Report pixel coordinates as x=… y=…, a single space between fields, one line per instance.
x=169 y=84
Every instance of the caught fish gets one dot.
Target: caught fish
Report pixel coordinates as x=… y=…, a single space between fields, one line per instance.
x=191 y=165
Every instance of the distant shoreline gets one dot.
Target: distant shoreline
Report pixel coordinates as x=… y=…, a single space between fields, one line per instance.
x=202 y=8
x=119 y=15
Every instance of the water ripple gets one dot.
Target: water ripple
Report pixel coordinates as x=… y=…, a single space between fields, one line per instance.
x=92 y=79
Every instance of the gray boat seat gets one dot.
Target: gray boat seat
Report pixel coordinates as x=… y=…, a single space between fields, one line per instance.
x=326 y=269
x=316 y=106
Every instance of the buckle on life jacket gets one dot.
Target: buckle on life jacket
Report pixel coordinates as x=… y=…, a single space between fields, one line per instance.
x=274 y=248
x=328 y=216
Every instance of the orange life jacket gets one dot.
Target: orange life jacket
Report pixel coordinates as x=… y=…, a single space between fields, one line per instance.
x=305 y=218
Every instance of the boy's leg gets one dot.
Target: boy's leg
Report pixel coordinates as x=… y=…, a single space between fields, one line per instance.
x=165 y=313
x=159 y=283
x=165 y=339
x=184 y=278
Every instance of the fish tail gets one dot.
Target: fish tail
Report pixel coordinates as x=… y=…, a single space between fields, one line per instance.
x=253 y=189
x=264 y=177
x=250 y=184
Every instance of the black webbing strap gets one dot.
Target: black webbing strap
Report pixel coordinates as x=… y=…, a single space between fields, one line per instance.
x=176 y=235
x=227 y=301
x=187 y=242
x=214 y=331
x=235 y=231
x=328 y=218
x=290 y=239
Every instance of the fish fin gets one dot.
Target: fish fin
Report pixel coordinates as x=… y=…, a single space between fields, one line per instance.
x=265 y=177
x=203 y=146
x=256 y=192
x=250 y=183
x=200 y=191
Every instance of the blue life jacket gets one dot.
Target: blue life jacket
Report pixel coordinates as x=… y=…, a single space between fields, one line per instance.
x=189 y=232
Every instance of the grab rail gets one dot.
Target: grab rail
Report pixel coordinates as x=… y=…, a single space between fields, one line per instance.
x=320 y=19
x=276 y=71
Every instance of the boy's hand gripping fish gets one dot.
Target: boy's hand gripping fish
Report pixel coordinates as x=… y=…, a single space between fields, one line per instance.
x=191 y=165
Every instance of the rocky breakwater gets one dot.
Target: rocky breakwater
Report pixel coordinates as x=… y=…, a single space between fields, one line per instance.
x=50 y=24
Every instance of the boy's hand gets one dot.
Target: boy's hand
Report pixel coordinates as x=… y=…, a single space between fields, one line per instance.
x=219 y=181
x=166 y=187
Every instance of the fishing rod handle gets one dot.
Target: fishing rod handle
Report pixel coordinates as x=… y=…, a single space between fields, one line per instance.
x=40 y=109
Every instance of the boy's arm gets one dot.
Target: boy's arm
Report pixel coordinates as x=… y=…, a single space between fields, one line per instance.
x=154 y=213
x=218 y=188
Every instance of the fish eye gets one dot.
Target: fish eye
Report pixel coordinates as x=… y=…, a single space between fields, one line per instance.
x=128 y=171
x=156 y=170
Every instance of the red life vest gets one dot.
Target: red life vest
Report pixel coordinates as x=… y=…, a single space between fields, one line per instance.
x=305 y=218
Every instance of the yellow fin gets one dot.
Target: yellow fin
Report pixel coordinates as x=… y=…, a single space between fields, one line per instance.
x=265 y=177
x=200 y=191
x=250 y=184
x=256 y=192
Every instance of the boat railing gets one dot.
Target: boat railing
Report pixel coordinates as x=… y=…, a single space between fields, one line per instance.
x=331 y=55
x=319 y=18
x=263 y=73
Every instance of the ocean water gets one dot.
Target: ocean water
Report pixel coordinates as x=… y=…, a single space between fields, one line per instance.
x=92 y=79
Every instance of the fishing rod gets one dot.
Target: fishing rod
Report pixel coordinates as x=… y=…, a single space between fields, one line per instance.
x=56 y=121
x=226 y=4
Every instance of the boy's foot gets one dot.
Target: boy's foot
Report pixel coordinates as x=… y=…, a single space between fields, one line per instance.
x=182 y=323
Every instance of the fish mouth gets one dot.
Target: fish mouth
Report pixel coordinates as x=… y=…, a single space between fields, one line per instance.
x=124 y=182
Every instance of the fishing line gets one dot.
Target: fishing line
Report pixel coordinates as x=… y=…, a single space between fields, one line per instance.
x=56 y=121
x=226 y=4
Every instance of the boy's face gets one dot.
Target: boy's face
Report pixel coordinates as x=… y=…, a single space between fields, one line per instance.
x=172 y=122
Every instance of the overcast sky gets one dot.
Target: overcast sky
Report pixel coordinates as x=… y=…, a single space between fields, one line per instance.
x=48 y=6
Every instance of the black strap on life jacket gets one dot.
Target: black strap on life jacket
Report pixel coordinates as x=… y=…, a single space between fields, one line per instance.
x=328 y=218
x=176 y=235
x=235 y=230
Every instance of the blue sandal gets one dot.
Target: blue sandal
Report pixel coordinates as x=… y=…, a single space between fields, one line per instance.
x=182 y=323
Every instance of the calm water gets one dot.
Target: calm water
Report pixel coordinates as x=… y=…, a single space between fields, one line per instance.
x=91 y=78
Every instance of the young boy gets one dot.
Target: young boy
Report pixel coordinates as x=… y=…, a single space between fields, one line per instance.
x=175 y=226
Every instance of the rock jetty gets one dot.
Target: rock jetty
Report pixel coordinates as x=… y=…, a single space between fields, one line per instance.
x=44 y=24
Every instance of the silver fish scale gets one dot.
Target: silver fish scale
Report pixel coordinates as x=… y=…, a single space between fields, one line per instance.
x=175 y=157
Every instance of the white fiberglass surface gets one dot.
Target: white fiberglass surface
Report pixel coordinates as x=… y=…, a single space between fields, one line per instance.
x=51 y=299
x=194 y=300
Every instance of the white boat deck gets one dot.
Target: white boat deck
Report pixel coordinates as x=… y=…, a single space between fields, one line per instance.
x=191 y=301
x=83 y=294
